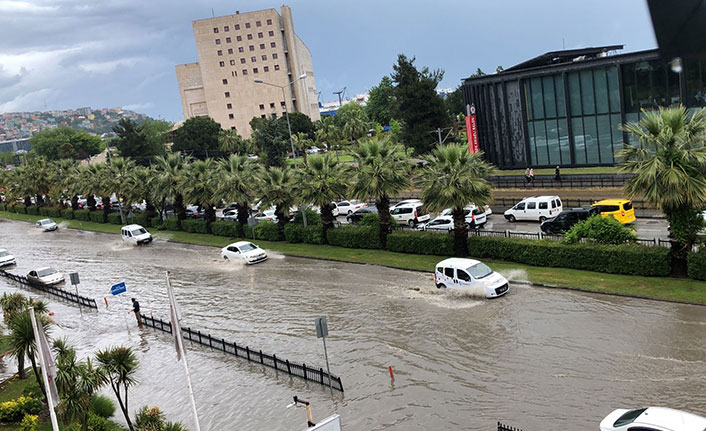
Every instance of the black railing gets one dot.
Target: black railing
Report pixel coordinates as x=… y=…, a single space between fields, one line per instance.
x=503 y=427
x=548 y=182
x=65 y=294
x=304 y=371
x=566 y=203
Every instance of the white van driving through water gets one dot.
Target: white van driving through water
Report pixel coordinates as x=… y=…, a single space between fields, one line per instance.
x=468 y=273
x=135 y=234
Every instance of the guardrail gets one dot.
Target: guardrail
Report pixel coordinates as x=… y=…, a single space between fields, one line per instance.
x=503 y=427
x=61 y=293
x=551 y=183
x=292 y=368
x=566 y=203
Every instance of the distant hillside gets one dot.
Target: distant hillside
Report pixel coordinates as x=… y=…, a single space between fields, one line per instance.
x=17 y=125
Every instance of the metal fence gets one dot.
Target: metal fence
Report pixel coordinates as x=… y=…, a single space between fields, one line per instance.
x=303 y=371
x=503 y=427
x=61 y=293
x=515 y=182
x=566 y=203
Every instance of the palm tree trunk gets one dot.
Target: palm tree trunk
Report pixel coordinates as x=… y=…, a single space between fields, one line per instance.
x=210 y=216
x=460 y=233
x=282 y=220
x=123 y=407
x=91 y=202
x=243 y=213
x=149 y=209
x=21 y=366
x=179 y=206
x=106 y=206
x=74 y=203
x=28 y=201
x=326 y=220
x=382 y=203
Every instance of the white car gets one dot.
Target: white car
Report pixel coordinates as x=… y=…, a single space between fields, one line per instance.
x=652 y=419
x=135 y=234
x=465 y=273
x=244 y=250
x=410 y=214
x=535 y=208
x=6 y=258
x=47 y=225
x=474 y=217
x=230 y=215
x=267 y=215
x=445 y=223
x=335 y=211
x=313 y=150
x=350 y=206
x=405 y=202
x=46 y=276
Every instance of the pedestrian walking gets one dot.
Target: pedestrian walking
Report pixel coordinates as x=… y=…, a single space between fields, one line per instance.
x=557 y=174
x=527 y=175
x=531 y=176
x=136 y=309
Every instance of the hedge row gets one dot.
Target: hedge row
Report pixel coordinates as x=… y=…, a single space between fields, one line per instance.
x=421 y=243
x=96 y=216
x=354 y=237
x=266 y=231
x=696 y=264
x=114 y=218
x=297 y=233
x=194 y=226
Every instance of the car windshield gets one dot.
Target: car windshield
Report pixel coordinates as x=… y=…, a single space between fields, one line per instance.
x=46 y=221
x=628 y=417
x=139 y=231
x=4 y=253
x=46 y=271
x=247 y=247
x=479 y=270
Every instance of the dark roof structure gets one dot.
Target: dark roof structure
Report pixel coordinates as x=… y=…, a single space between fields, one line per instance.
x=564 y=56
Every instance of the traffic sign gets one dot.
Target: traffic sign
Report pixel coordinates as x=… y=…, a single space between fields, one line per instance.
x=321 y=326
x=118 y=288
x=74 y=278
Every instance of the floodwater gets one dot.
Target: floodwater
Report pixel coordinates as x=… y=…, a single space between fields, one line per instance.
x=537 y=359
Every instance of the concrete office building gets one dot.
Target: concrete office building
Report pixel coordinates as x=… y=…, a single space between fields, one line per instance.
x=565 y=107
x=235 y=50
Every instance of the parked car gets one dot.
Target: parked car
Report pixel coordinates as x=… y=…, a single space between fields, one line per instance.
x=535 y=208
x=443 y=223
x=192 y=211
x=652 y=419
x=231 y=206
x=475 y=218
x=358 y=215
x=313 y=150
x=244 y=250
x=267 y=215
x=45 y=276
x=135 y=234
x=563 y=222
x=464 y=273
x=6 y=258
x=620 y=209
x=230 y=215
x=405 y=202
x=47 y=225
x=335 y=211
x=348 y=207
x=410 y=214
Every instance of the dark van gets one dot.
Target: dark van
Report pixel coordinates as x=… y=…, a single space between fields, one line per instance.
x=563 y=222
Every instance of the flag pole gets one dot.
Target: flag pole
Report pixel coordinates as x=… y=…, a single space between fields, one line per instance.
x=180 y=345
x=45 y=377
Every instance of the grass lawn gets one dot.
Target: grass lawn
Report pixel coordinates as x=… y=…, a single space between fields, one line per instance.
x=567 y=171
x=669 y=289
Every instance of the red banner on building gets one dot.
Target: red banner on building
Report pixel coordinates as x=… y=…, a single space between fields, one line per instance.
x=472 y=132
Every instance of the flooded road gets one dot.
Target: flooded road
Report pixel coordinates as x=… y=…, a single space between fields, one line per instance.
x=537 y=359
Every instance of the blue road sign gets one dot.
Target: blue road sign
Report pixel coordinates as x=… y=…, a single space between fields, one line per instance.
x=118 y=288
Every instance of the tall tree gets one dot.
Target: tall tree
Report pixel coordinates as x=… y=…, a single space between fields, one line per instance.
x=278 y=188
x=271 y=137
x=168 y=172
x=420 y=108
x=238 y=179
x=669 y=167
x=198 y=183
x=140 y=143
x=454 y=178
x=382 y=105
x=198 y=138
x=119 y=365
x=65 y=143
x=381 y=173
x=230 y=142
x=323 y=181
x=454 y=103
x=328 y=133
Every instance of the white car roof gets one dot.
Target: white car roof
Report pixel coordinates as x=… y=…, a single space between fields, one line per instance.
x=672 y=419
x=458 y=262
x=443 y=217
x=409 y=204
x=43 y=268
x=240 y=244
x=46 y=220
x=541 y=197
x=133 y=226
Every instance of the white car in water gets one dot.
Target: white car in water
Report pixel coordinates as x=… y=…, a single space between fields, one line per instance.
x=244 y=250
x=46 y=225
x=46 y=276
x=468 y=273
x=652 y=419
x=135 y=234
x=6 y=258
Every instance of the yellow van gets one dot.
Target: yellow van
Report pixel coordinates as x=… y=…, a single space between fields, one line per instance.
x=620 y=209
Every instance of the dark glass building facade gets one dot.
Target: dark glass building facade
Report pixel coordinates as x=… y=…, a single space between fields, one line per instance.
x=565 y=108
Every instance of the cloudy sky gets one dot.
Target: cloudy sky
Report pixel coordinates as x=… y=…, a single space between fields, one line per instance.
x=60 y=54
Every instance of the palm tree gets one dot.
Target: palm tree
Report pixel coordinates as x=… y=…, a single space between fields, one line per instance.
x=278 y=189
x=199 y=183
x=168 y=171
x=119 y=365
x=669 y=167
x=454 y=178
x=327 y=132
x=237 y=182
x=323 y=181
x=302 y=142
x=15 y=313
x=381 y=173
x=229 y=142
x=355 y=128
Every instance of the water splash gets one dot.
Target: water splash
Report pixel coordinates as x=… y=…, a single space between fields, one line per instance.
x=517 y=275
x=63 y=225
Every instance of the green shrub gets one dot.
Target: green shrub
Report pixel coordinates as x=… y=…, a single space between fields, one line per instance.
x=3 y=206
x=194 y=226
x=21 y=209
x=149 y=418
x=602 y=230
x=267 y=231
x=171 y=223
x=629 y=259
x=33 y=210
x=312 y=217
x=297 y=233
x=54 y=211
x=83 y=215
x=114 y=218
x=68 y=214
x=225 y=228
x=354 y=237
x=696 y=264
x=30 y=423
x=14 y=410
x=437 y=244
x=141 y=219
x=102 y=406
x=155 y=221
x=97 y=216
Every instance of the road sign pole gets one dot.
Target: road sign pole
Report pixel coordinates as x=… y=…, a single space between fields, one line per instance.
x=328 y=368
x=321 y=324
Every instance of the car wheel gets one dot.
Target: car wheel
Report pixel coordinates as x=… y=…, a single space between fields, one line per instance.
x=225 y=257
x=411 y=223
x=441 y=286
x=350 y=212
x=541 y=219
x=511 y=218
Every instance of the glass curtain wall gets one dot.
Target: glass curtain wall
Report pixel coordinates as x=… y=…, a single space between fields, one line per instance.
x=547 y=126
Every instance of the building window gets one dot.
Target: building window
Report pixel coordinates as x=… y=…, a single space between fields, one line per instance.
x=262 y=107
x=253 y=59
x=233 y=73
x=252 y=48
x=282 y=104
x=262 y=46
x=241 y=49
x=226 y=28
x=269 y=22
x=237 y=27
x=245 y=71
x=272 y=45
x=284 y=113
x=219 y=52
x=258 y=23
x=274 y=56
x=232 y=62
x=263 y=116
x=230 y=50
x=276 y=66
x=254 y=70
x=266 y=69
x=264 y=58
x=249 y=36
x=247 y=25
x=228 y=40
x=215 y=29
x=225 y=82
x=272 y=105
x=229 y=106
x=231 y=116
x=218 y=41
x=260 y=35
x=242 y=61
x=271 y=33
x=222 y=63
x=227 y=93
x=232 y=127
x=239 y=38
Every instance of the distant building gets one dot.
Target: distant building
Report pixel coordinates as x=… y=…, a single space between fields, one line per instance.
x=233 y=51
x=15 y=145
